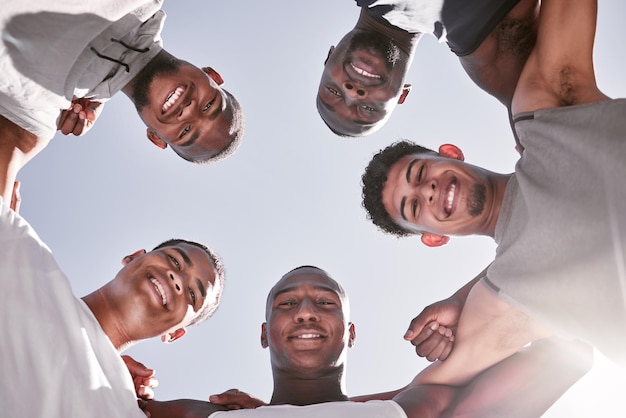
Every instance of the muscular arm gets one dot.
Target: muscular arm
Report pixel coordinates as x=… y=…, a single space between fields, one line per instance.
x=559 y=71
x=489 y=331
x=525 y=384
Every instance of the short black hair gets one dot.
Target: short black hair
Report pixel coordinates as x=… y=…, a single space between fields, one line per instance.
x=374 y=179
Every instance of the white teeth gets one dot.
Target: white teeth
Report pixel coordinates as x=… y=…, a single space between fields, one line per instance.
x=159 y=289
x=450 y=198
x=309 y=336
x=363 y=72
x=171 y=99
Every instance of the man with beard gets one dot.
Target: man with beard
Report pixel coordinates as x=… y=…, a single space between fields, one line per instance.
x=76 y=55
x=308 y=333
x=363 y=78
x=558 y=220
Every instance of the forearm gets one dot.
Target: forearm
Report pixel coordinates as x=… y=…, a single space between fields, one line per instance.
x=17 y=147
x=525 y=384
x=181 y=408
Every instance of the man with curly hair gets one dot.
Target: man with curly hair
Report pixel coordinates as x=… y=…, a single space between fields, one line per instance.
x=558 y=220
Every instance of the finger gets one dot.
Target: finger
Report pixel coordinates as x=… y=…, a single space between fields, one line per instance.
x=136 y=368
x=436 y=351
x=432 y=347
x=419 y=323
x=16 y=197
x=422 y=334
x=446 y=352
x=81 y=125
x=70 y=121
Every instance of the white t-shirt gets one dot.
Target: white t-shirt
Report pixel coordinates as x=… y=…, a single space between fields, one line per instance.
x=55 y=360
x=54 y=51
x=370 y=409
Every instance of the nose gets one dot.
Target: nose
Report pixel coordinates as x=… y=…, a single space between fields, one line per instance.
x=306 y=312
x=177 y=281
x=427 y=190
x=187 y=110
x=354 y=90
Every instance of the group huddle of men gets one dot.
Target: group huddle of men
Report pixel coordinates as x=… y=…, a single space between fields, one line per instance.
x=524 y=327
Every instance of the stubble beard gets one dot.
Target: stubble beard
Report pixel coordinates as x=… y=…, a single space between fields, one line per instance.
x=377 y=44
x=476 y=200
x=159 y=66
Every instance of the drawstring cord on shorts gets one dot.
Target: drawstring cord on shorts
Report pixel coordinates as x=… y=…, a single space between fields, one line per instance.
x=125 y=45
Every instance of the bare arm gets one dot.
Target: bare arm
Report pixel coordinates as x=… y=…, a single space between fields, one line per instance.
x=525 y=384
x=17 y=147
x=489 y=331
x=181 y=408
x=559 y=71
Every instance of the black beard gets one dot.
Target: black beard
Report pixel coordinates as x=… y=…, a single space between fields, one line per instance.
x=158 y=66
x=378 y=44
x=476 y=200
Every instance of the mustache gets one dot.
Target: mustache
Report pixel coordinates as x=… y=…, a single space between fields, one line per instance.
x=308 y=327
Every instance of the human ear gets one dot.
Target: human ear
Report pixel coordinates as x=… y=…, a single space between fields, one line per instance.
x=264 y=343
x=173 y=336
x=154 y=138
x=352 y=331
x=131 y=257
x=215 y=76
x=405 y=92
x=434 y=240
x=451 y=151
x=330 y=52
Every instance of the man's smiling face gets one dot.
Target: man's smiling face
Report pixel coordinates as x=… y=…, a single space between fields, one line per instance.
x=361 y=84
x=307 y=329
x=430 y=193
x=185 y=108
x=164 y=288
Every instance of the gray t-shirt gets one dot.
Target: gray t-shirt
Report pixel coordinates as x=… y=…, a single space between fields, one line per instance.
x=561 y=232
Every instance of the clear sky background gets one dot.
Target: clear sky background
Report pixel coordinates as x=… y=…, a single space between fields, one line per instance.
x=289 y=196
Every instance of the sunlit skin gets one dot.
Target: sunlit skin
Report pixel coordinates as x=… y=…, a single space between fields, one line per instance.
x=358 y=89
x=187 y=110
x=153 y=293
x=308 y=334
x=436 y=194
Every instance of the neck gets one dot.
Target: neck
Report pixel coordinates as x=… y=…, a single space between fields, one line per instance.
x=499 y=181
x=406 y=41
x=162 y=57
x=107 y=317
x=298 y=390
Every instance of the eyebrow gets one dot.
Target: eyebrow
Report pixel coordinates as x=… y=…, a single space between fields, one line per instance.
x=408 y=170
x=201 y=287
x=402 y=203
x=184 y=255
x=325 y=105
x=293 y=288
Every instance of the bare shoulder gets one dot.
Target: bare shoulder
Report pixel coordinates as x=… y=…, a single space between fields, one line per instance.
x=559 y=71
x=496 y=64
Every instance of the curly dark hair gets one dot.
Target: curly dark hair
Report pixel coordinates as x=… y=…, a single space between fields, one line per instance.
x=374 y=179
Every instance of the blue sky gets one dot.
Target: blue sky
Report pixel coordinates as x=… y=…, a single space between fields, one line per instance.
x=289 y=196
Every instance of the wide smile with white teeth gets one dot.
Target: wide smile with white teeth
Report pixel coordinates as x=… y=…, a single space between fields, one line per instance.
x=364 y=73
x=159 y=290
x=172 y=98
x=449 y=199
x=309 y=336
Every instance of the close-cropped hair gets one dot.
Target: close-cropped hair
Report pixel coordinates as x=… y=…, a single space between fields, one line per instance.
x=374 y=179
x=209 y=307
x=236 y=131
